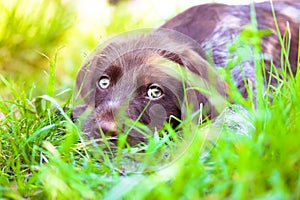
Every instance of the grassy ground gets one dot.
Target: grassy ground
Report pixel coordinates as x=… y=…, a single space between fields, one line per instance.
x=45 y=156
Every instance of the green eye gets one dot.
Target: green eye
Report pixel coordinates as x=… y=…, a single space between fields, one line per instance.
x=154 y=92
x=104 y=82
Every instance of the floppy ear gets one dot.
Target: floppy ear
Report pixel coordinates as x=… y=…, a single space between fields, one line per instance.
x=205 y=89
x=85 y=83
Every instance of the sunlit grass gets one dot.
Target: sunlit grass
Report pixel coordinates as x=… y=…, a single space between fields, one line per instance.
x=45 y=155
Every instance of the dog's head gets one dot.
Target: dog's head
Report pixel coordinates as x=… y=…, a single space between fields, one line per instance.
x=150 y=79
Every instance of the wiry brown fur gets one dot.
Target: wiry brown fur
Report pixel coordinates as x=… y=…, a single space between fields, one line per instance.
x=214 y=26
x=134 y=63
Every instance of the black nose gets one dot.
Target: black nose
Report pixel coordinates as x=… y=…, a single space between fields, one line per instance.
x=109 y=128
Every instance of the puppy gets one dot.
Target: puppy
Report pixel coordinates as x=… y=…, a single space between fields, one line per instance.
x=144 y=78
x=152 y=77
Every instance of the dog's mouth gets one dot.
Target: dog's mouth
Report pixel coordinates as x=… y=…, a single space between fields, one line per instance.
x=132 y=129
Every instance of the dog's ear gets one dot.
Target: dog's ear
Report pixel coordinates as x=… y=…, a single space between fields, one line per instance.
x=85 y=83
x=94 y=66
x=205 y=89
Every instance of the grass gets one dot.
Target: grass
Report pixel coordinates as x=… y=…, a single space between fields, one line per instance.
x=28 y=30
x=44 y=155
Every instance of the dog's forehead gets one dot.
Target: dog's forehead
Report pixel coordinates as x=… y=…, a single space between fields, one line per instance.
x=147 y=66
x=136 y=50
x=140 y=61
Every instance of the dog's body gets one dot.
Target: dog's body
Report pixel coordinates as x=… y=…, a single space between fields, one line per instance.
x=216 y=25
x=129 y=72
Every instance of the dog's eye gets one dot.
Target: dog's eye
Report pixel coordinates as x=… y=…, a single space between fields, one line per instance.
x=104 y=82
x=154 y=91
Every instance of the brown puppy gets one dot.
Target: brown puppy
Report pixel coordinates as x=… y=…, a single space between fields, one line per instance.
x=150 y=77
x=145 y=77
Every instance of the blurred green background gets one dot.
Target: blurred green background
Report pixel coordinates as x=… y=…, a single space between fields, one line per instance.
x=35 y=31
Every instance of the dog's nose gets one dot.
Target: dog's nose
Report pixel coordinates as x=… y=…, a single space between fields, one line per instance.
x=109 y=128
